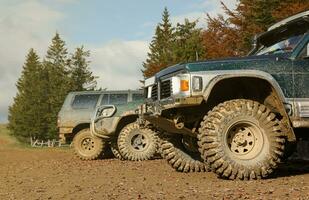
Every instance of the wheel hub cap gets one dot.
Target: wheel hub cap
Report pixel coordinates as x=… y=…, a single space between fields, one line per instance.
x=244 y=140
x=88 y=144
x=139 y=141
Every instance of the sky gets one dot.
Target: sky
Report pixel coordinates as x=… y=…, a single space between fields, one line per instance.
x=117 y=33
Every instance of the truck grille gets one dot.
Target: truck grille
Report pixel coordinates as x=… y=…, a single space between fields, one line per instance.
x=154 y=92
x=165 y=89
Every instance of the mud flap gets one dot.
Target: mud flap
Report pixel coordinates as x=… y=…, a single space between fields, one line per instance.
x=302 y=151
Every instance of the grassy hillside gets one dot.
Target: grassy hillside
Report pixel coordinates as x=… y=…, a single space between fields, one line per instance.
x=5 y=138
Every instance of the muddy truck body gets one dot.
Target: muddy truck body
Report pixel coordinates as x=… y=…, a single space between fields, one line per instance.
x=239 y=117
x=78 y=108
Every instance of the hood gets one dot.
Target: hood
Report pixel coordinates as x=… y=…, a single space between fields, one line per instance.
x=128 y=107
x=261 y=62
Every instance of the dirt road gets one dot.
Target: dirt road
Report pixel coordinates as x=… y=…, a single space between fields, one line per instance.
x=56 y=174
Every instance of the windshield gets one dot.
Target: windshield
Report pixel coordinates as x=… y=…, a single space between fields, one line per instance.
x=282 y=46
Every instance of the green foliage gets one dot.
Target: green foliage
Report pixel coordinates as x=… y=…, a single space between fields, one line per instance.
x=188 y=42
x=43 y=87
x=161 y=47
x=27 y=114
x=171 y=45
x=56 y=66
x=79 y=69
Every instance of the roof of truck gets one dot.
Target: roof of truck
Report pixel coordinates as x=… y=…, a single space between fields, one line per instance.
x=107 y=92
x=292 y=19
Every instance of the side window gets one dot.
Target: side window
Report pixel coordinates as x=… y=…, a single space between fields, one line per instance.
x=85 y=101
x=118 y=98
x=104 y=99
x=137 y=97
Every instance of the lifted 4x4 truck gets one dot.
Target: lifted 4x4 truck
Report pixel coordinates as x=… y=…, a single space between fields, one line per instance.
x=238 y=116
x=112 y=126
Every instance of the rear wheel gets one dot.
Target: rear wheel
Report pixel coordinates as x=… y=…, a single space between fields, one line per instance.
x=86 y=146
x=179 y=157
x=241 y=139
x=136 y=143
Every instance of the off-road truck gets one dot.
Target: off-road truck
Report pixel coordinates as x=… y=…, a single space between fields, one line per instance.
x=114 y=117
x=243 y=115
x=78 y=108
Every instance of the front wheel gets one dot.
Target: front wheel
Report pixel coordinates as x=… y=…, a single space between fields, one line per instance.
x=178 y=157
x=136 y=143
x=241 y=139
x=86 y=146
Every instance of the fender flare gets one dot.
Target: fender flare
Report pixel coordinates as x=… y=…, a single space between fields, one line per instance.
x=111 y=125
x=224 y=75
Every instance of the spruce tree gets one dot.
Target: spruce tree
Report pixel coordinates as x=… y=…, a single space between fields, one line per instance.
x=56 y=64
x=79 y=69
x=188 y=42
x=161 y=47
x=28 y=112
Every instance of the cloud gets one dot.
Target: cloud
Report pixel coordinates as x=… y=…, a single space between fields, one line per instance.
x=193 y=16
x=118 y=64
x=23 y=25
x=66 y=1
x=32 y=23
x=211 y=7
x=214 y=7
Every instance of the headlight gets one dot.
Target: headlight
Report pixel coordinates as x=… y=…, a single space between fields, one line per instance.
x=184 y=85
x=197 y=83
x=181 y=84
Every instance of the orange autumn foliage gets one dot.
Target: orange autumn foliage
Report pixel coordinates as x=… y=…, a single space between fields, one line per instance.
x=232 y=35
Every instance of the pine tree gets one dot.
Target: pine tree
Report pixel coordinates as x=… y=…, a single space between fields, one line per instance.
x=27 y=114
x=79 y=69
x=188 y=42
x=56 y=64
x=161 y=47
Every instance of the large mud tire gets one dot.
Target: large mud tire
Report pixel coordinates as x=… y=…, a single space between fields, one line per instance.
x=115 y=149
x=241 y=139
x=136 y=143
x=86 y=146
x=178 y=157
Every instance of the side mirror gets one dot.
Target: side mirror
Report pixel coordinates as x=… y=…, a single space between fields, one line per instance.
x=104 y=111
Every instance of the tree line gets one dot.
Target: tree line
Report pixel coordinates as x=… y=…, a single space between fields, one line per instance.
x=224 y=36
x=42 y=88
x=44 y=84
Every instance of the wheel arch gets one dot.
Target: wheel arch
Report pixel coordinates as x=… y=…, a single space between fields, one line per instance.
x=237 y=75
x=125 y=120
x=226 y=87
x=79 y=127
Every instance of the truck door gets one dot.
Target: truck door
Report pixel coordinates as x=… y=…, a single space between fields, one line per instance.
x=301 y=77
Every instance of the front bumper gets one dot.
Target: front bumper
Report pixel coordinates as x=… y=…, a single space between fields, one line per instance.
x=156 y=107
